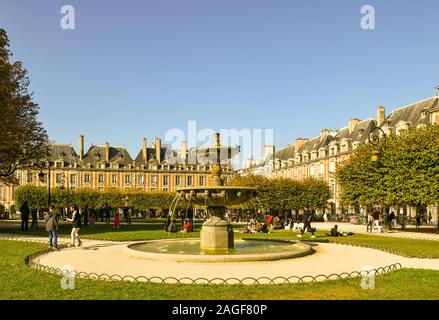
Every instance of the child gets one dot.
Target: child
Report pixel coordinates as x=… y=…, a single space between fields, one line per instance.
x=116 y=220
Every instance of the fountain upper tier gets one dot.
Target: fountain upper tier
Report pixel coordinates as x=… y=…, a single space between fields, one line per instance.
x=217 y=195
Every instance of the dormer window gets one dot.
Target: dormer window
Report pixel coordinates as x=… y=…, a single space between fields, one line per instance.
x=98 y=155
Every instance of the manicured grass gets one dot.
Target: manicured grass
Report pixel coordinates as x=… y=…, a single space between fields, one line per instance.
x=17 y=281
x=132 y=232
x=405 y=247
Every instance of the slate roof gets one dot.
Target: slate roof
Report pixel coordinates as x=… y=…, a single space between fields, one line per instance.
x=151 y=155
x=117 y=154
x=65 y=152
x=412 y=113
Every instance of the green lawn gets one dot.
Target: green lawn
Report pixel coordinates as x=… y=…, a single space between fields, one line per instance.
x=17 y=281
x=405 y=247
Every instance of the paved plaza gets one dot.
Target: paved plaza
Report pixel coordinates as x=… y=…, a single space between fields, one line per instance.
x=107 y=257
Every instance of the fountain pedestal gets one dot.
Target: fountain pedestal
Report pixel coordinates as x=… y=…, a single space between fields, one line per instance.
x=216 y=233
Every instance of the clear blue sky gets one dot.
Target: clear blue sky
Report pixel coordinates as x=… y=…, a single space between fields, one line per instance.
x=137 y=68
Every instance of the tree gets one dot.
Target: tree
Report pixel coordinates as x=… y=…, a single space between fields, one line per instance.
x=361 y=179
x=22 y=136
x=285 y=194
x=36 y=197
x=406 y=173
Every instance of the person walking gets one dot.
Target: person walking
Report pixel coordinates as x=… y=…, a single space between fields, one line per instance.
x=24 y=210
x=307 y=215
x=76 y=225
x=51 y=222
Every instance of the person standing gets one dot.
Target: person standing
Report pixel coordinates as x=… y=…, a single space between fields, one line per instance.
x=92 y=218
x=51 y=222
x=84 y=214
x=369 y=223
x=418 y=221
x=116 y=220
x=34 y=218
x=107 y=213
x=430 y=217
x=126 y=214
x=391 y=218
x=76 y=226
x=307 y=215
x=24 y=210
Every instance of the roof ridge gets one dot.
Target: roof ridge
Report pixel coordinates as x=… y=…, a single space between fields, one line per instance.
x=412 y=104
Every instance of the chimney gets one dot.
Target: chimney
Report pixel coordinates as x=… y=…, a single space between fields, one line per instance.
x=380 y=116
x=299 y=142
x=158 y=148
x=352 y=124
x=107 y=152
x=81 y=147
x=144 y=150
x=437 y=91
x=183 y=150
x=268 y=151
x=324 y=133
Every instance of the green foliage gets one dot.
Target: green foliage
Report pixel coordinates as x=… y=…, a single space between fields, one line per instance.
x=150 y=200
x=35 y=196
x=407 y=172
x=285 y=194
x=22 y=136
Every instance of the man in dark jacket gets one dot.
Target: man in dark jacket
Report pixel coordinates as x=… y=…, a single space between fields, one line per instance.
x=307 y=223
x=51 y=222
x=24 y=210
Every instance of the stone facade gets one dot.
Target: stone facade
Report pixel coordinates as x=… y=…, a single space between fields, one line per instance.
x=318 y=157
x=156 y=168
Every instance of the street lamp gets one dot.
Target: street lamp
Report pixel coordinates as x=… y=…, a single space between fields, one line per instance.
x=376 y=135
x=41 y=163
x=126 y=200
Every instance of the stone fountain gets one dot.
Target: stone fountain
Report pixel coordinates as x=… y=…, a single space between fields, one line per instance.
x=216 y=243
x=216 y=233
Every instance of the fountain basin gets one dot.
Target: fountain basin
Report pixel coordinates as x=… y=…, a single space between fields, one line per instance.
x=188 y=250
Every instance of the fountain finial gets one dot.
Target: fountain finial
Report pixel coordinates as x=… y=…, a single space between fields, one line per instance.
x=216 y=170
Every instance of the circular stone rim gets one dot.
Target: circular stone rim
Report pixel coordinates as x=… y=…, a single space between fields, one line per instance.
x=305 y=249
